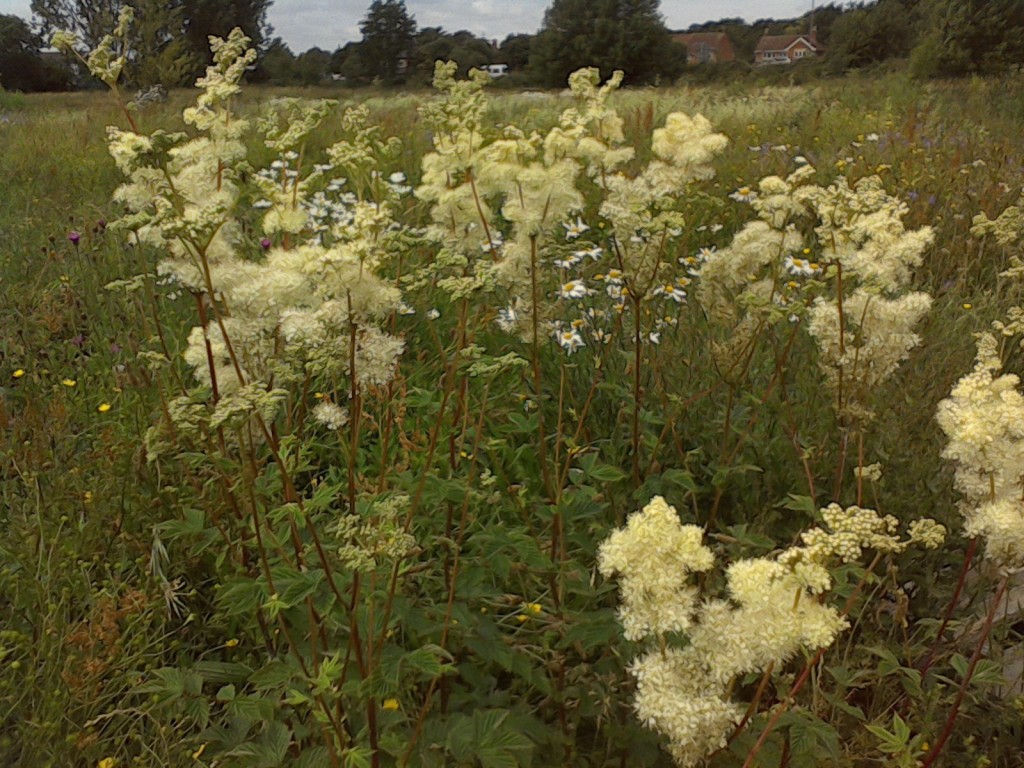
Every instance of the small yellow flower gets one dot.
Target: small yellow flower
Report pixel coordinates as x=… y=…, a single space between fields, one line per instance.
x=69 y=382
x=18 y=373
x=535 y=608
x=87 y=497
x=807 y=251
x=232 y=643
x=968 y=305
x=390 y=704
x=319 y=395
x=103 y=407
x=106 y=762
x=522 y=619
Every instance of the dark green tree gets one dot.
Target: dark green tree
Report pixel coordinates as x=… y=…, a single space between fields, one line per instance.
x=277 y=64
x=967 y=37
x=89 y=19
x=388 y=36
x=609 y=34
x=162 y=52
x=867 y=34
x=19 y=53
x=204 y=18
x=515 y=51
x=469 y=51
x=313 y=66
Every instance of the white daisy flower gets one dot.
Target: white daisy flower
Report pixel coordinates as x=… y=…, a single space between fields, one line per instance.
x=614 y=277
x=569 y=261
x=574 y=229
x=570 y=340
x=594 y=253
x=677 y=294
x=744 y=195
x=574 y=289
x=799 y=266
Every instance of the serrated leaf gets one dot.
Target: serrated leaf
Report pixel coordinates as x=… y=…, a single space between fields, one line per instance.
x=220 y=672
x=274 y=675
x=313 y=757
x=680 y=478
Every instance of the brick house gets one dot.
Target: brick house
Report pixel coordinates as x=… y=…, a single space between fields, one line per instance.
x=706 y=47
x=785 y=49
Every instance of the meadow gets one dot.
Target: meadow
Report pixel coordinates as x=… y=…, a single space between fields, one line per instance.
x=402 y=498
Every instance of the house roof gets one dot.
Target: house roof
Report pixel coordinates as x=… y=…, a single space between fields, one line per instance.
x=696 y=38
x=718 y=42
x=785 y=42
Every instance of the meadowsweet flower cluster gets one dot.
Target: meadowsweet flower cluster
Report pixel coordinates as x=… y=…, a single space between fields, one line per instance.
x=772 y=610
x=507 y=211
x=983 y=418
x=848 y=281
x=1006 y=228
x=308 y=301
x=654 y=554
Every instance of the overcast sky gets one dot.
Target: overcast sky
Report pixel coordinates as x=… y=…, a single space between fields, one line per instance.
x=330 y=23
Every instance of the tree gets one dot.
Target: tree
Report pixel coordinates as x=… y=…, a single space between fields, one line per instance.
x=609 y=34
x=515 y=51
x=90 y=20
x=22 y=66
x=313 y=66
x=277 y=64
x=970 y=37
x=469 y=51
x=204 y=18
x=388 y=34
x=161 y=52
x=174 y=33
x=868 y=34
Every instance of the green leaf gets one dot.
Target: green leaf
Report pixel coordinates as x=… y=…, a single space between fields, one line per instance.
x=277 y=739
x=274 y=675
x=241 y=597
x=680 y=478
x=803 y=504
x=313 y=757
x=219 y=672
x=606 y=473
x=294 y=590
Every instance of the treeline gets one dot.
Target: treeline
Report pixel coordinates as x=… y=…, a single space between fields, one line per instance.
x=169 y=39
x=934 y=38
x=939 y=38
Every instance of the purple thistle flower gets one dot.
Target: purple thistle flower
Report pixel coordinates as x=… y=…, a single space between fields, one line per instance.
x=265 y=243
x=74 y=236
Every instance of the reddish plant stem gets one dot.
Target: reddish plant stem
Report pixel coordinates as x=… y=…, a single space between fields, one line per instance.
x=968 y=558
x=947 y=729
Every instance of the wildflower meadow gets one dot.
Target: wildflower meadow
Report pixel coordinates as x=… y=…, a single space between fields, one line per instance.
x=602 y=427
